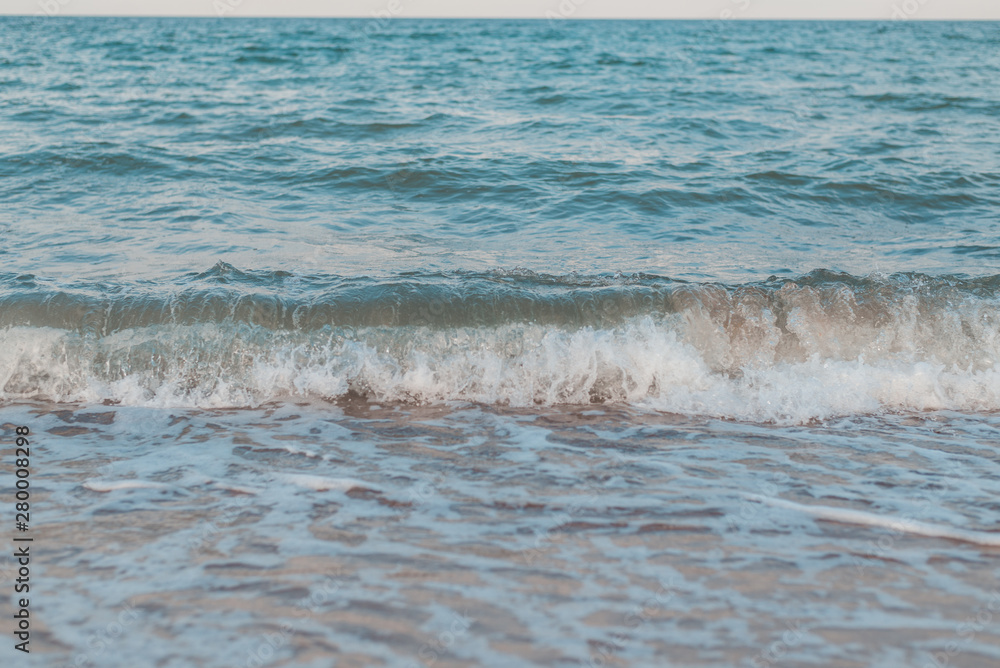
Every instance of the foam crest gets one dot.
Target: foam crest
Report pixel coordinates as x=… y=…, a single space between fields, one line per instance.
x=749 y=366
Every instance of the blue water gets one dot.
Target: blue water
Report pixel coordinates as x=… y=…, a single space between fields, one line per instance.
x=527 y=342
x=145 y=149
x=756 y=193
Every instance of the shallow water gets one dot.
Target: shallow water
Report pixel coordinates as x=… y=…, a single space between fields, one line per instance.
x=461 y=343
x=361 y=535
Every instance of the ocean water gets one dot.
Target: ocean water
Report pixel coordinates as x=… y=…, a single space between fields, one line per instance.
x=503 y=343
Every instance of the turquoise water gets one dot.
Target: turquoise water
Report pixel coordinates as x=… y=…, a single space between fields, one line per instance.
x=138 y=149
x=526 y=342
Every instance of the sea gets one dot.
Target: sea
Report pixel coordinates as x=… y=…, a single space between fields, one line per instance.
x=460 y=343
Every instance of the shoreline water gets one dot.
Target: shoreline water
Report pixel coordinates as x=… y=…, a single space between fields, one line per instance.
x=556 y=535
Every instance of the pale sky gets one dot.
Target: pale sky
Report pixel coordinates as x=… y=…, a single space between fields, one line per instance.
x=737 y=9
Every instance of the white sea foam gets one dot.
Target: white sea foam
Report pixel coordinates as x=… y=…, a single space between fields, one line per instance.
x=111 y=486
x=323 y=484
x=899 y=525
x=721 y=359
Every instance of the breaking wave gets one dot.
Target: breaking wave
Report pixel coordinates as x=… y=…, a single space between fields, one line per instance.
x=786 y=350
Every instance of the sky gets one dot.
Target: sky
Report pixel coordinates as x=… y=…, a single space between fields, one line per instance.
x=735 y=9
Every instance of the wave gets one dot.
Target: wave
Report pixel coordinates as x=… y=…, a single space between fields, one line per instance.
x=785 y=350
x=896 y=524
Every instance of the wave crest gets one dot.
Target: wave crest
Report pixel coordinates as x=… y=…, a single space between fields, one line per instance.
x=780 y=350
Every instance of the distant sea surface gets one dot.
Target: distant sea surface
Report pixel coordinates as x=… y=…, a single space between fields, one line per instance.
x=504 y=343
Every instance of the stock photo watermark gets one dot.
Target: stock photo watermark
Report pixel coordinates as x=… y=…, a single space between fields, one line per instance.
x=382 y=17
x=772 y=654
x=750 y=509
x=435 y=648
x=270 y=643
x=564 y=10
x=740 y=6
x=907 y=9
x=544 y=534
x=639 y=615
x=21 y=566
x=967 y=631
x=104 y=640
x=52 y=7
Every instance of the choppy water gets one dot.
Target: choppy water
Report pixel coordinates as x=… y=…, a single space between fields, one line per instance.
x=629 y=343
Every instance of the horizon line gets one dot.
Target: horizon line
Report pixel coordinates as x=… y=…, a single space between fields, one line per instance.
x=742 y=19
